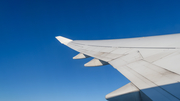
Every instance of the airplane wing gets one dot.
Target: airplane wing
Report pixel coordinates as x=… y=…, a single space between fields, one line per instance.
x=152 y=64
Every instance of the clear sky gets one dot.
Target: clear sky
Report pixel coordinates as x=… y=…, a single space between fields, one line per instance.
x=34 y=66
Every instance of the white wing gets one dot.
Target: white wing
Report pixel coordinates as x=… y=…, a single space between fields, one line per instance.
x=152 y=64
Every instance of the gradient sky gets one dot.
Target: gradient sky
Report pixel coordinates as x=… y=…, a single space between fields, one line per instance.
x=34 y=66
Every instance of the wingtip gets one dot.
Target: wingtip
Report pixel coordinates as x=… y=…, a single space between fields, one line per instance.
x=63 y=40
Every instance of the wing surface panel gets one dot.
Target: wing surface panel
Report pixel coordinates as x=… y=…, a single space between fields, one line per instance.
x=170 y=62
x=153 y=91
x=158 y=76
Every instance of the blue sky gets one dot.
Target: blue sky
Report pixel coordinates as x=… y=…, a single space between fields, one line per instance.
x=34 y=66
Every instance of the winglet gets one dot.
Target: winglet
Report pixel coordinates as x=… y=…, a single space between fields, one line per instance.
x=63 y=40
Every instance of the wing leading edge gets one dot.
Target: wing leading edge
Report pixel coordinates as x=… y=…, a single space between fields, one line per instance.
x=150 y=63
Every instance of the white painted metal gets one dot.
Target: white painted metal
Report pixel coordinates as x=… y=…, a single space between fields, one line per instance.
x=80 y=56
x=129 y=92
x=159 y=76
x=150 y=89
x=170 y=62
x=63 y=40
x=150 y=63
x=95 y=62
